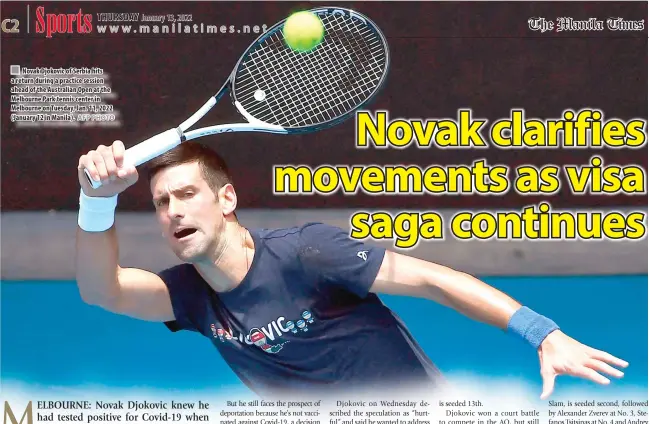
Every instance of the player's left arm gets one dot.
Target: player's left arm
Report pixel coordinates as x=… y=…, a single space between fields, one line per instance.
x=558 y=353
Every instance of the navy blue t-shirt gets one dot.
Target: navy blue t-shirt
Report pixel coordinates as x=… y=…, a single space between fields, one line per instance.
x=303 y=317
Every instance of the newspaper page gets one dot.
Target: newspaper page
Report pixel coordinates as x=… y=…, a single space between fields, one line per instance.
x=324 y=213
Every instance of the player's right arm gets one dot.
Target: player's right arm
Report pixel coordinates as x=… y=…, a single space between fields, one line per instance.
x=101 y=281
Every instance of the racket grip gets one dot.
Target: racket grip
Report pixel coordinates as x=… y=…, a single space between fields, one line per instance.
x=146 y=150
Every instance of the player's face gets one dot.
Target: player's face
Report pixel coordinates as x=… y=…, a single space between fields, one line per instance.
x=191 y=215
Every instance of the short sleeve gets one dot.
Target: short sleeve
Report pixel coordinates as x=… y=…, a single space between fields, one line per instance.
x=185 y=291
x=336 y=258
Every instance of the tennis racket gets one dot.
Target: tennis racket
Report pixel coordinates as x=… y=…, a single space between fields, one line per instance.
x=279 y=90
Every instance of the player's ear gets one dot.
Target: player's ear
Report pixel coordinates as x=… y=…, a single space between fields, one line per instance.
x=227 y=199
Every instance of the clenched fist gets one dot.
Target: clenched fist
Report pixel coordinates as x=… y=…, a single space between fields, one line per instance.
x=106 y=164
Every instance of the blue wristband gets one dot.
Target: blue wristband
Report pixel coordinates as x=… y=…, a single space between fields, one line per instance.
x=531 y=326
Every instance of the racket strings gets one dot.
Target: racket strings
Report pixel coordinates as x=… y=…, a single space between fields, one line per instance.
x=280 y=86
x=355 y=41
x=266 y=78
x=278 y=42
x=318 y=87
x=313 y=86
x=317 y=95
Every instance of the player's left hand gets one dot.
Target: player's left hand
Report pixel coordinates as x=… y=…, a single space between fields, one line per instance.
x=560 y=354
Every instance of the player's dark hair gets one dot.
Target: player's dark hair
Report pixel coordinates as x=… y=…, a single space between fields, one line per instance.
x=213 y=167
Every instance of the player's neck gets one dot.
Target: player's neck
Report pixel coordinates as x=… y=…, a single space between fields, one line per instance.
x=231 y=260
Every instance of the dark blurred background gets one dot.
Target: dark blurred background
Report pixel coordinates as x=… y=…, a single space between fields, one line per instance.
x=445 y=56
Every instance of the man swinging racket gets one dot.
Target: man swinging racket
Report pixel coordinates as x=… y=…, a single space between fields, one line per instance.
x=289 y=309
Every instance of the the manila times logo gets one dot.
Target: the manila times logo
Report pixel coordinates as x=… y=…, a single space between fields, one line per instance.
x=11 y=416
x=52 y=23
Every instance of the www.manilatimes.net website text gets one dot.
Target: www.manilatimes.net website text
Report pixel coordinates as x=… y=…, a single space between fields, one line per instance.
x=181 y=28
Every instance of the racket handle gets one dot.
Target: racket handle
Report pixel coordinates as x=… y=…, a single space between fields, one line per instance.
x=146 y=150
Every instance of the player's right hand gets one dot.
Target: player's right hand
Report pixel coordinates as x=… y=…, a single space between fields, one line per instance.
x=106 y=164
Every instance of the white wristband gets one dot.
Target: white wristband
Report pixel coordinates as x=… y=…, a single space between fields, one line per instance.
x=96 y=214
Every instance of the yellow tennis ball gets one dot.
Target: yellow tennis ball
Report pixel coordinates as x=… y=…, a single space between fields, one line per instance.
x=303 y=31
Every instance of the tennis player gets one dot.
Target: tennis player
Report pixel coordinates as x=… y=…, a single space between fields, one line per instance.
x=289 y=309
